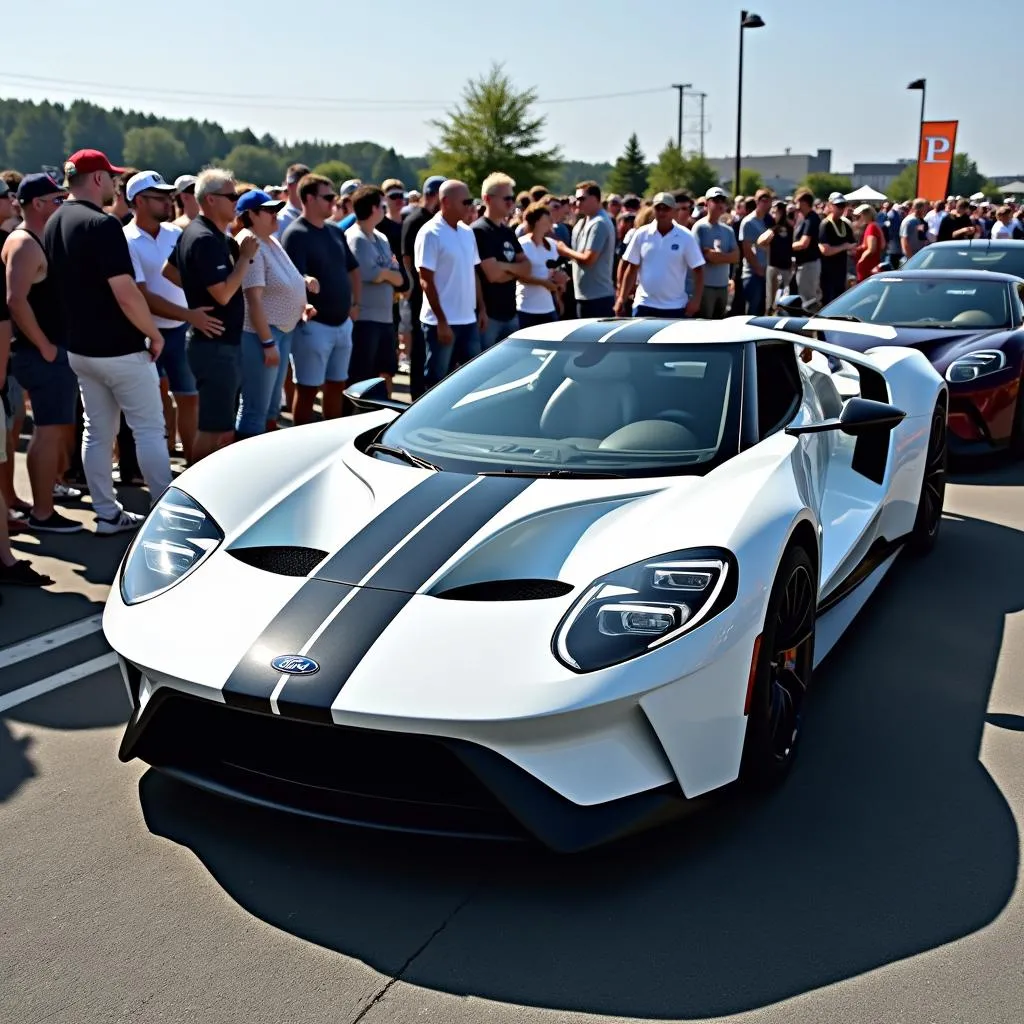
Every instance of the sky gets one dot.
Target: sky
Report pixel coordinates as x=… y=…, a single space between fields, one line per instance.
x=825 y=74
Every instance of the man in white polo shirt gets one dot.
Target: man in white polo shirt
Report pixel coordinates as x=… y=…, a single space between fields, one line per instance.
x=658 y=258
x=446 y=258
x=151 y=239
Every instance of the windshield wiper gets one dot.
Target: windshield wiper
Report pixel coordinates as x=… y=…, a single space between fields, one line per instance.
x=580 y=474
x=401 y=453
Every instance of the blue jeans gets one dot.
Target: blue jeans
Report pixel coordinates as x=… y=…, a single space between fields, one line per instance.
x=261 y=384
x=439 y=357
x=498 y=330
x=754 y=293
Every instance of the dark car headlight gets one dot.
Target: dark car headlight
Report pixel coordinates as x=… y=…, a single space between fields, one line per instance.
x=643 y=606
x=977 y=364
x=174 y=540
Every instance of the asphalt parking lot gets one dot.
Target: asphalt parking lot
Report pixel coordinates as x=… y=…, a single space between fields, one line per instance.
x=880 y=885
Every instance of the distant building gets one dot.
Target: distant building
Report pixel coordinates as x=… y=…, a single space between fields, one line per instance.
x=781 y=173
x=877 y=176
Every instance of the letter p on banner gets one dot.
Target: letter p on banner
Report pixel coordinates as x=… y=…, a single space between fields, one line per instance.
x=935 y=159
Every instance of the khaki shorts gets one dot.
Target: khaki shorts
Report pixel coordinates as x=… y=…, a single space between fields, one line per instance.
x=3 y=433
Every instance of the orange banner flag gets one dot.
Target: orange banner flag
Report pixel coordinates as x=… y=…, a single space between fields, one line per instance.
x=935 y=159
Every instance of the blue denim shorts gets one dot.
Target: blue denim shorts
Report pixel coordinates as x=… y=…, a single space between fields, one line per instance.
x=321 y=353
x=52 y=387
x=173 y=361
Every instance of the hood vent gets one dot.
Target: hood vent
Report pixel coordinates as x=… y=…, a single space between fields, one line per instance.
x=285 y=561
x=506 y=590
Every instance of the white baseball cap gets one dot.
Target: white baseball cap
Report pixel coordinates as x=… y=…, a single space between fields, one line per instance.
x=184 y=181
x=143 y=181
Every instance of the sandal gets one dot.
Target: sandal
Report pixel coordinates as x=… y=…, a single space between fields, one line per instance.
x=21 y=574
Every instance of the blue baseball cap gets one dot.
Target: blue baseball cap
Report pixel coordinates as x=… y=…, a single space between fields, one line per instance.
x=258 y=200
x=35 y=186
x=433 y=184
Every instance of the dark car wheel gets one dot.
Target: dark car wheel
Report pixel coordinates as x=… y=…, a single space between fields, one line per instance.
x=782 y=675
x=933 y=486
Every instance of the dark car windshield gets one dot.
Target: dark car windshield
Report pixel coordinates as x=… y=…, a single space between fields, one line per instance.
x=922 y=302
x=1007 y=259
x=569 y=409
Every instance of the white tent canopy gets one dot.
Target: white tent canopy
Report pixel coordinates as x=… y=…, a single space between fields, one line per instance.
x=865 y=194
x=1013 y=189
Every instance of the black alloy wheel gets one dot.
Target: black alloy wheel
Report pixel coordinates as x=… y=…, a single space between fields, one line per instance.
x=933 y=486
x=783 y=673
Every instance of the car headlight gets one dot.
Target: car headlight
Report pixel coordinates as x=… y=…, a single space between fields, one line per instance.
x=643 y=606
x=177 y=537
x=975 y=365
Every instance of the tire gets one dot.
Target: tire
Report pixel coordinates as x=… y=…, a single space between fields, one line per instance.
x=782 y=677
x=933 y=487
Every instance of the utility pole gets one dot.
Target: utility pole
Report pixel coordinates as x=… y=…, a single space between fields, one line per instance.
x=679 y=133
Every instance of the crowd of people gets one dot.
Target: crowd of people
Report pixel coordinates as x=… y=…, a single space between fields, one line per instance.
x=147 y=320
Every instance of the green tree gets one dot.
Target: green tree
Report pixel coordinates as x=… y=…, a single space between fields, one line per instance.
x=155 y=149
x=92 y=127
x=337 y=170
x=904 y=185
x=823 y=184
x=493 y=129
x=388 y=165
x=750 y=182
x=256 y=165
x=698 y=175
x=667 y=173
x=964 y=180
x=37 y=139
x=630 y=171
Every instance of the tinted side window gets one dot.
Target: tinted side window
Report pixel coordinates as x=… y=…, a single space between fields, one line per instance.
x=778 y=386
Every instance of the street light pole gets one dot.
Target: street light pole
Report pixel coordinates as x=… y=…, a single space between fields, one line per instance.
x=919 y=83
x=747 y=20
x=679 y=134
x=703 y=97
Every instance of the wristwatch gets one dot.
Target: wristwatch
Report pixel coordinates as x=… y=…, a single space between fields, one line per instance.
x=268 y=344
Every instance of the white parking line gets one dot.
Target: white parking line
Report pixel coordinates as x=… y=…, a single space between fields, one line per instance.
x=54 y=682
x=50 y=641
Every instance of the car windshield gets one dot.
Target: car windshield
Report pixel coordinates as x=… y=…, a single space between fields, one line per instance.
x=564 y=409
x=1004 y=259
x=922 y=302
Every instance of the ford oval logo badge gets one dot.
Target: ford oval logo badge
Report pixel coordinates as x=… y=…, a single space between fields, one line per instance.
x=295 y=665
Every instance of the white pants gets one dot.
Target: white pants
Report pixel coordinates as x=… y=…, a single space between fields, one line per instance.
x=109 y=386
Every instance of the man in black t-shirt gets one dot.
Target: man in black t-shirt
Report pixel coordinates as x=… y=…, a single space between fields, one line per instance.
x=417 y=217
x=502 y=260
x=111 y=338
x=806 y=254
x=322 y=346
x=836 y=241
x=210 y=267
x=957 y=226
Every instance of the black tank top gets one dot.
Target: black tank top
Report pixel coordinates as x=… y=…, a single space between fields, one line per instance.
x=45 y=303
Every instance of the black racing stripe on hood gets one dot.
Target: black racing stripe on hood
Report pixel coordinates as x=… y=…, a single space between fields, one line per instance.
x=345 y=642
x=589 y=333
x=357 y=557
x=253 y=680
x=641 y=331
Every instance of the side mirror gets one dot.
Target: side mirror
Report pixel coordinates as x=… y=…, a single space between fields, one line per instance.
x=859 y=416
x=791 y=305
x=372 y=394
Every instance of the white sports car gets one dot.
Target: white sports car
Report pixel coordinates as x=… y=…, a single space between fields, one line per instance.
x=580 y=583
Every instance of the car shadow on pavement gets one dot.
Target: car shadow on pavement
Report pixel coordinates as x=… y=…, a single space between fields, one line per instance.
x=889 y=839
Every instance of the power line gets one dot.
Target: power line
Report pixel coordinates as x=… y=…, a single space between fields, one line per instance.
x=277 y=102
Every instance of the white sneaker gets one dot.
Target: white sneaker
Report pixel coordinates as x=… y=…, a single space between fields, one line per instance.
x=122 y=524
x=62 y=490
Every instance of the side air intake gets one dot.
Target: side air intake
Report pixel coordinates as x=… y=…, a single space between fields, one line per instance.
x=506 y=590
x=285 y=561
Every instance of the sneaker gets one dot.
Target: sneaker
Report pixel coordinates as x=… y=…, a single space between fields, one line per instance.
x=63 y=492
x=21 y=574
x=53 y=523
x=122 y=524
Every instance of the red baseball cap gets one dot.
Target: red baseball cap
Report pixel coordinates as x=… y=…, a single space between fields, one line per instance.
x=88 y=161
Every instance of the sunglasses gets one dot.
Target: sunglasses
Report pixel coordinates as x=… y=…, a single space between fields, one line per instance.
x=233 y=196
x=396 y=196
x=467 y=202
x=329 y=196
x=507 y=199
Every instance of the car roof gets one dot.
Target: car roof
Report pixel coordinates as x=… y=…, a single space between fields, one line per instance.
x=978 y=243
x=949 y=274
x=648 y=331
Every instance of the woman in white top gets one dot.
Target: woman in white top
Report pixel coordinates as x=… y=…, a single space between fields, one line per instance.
x=275 y=301
x=535 y=295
